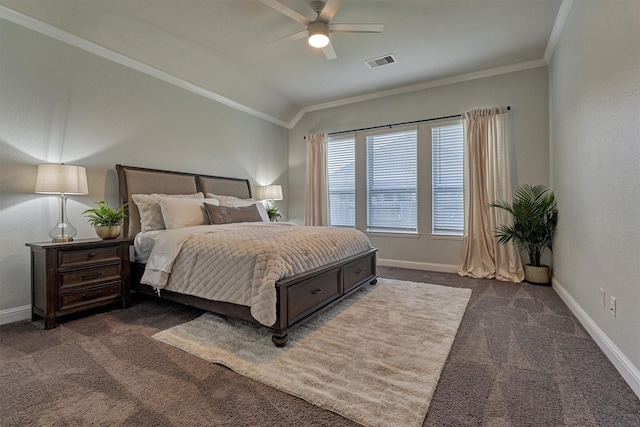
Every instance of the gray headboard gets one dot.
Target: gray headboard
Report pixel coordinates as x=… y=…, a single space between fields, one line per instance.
x=136 y=180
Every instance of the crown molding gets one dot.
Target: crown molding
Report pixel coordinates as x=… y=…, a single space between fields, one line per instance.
x=421 y=86
x=79 y=42
x=558 y=26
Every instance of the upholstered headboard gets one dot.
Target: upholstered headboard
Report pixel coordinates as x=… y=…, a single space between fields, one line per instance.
x=135 y=180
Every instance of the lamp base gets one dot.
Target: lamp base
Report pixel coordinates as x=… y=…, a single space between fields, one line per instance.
x=62 y=239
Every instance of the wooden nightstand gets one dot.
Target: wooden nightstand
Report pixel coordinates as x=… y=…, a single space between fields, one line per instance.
x=74 y=276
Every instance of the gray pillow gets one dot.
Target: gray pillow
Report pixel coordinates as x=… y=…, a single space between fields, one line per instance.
x=228 y=215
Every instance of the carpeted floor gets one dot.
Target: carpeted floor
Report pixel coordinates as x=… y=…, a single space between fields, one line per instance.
x=520 y=358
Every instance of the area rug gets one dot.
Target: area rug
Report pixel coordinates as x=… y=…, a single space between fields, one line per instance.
x=375 y=358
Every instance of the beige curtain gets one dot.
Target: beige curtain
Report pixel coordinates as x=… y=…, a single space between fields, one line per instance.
x=487 y=179
x=316 y=210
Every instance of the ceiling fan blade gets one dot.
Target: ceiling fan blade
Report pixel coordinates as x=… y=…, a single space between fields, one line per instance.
x=357 y=28
x=285 y=10
x=329 y=10
x=329 y=53
x=299 y=35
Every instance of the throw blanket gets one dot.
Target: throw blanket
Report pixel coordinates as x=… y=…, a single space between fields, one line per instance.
x=240 y=263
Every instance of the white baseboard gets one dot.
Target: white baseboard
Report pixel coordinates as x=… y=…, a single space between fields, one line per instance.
x=440 y=268
x=16 y=314
x=629 y=372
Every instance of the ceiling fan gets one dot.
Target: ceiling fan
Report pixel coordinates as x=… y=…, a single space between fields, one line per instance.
x=318 y=29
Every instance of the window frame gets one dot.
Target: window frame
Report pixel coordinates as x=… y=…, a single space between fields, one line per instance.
x=383 y=229
x=441 y=232
x=350 y=138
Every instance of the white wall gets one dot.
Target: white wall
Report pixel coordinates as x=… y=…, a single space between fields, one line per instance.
x=62 y=104
x=525 y=91
x=594 y=79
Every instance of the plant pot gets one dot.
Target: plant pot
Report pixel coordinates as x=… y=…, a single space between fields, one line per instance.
x=537 y=275
x=106 y=232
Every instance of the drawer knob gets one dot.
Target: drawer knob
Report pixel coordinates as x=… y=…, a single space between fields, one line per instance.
x=358 y=271
x=316 y=291
x=92 y=276
x=92 y=254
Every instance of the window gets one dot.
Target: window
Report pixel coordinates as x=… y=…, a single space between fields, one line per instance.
x=447 y=144
x=392 y=184
x=341 y=180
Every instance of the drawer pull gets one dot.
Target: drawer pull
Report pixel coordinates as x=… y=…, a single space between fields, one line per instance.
x=91 y=276
x=87 y=297
x=358 y=271
x=316 y=291
x=92 y=254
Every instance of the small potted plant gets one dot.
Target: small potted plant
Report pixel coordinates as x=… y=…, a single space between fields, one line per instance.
x=272 y=211
x=106 y=220
x=535 y=217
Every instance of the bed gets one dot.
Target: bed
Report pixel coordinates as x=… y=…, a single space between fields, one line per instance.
x=282 y=284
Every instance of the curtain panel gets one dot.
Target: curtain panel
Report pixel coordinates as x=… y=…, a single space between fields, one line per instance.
x=487 y=179
x=316 y=207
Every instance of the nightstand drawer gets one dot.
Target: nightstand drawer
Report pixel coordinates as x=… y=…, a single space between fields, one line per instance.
x=108 y=273
x=87 y=296
x=83 y=256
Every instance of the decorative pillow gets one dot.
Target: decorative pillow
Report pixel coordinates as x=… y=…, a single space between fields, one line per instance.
x=247 y=202
x=149 y=207
x=229 y=215
x=183 y=212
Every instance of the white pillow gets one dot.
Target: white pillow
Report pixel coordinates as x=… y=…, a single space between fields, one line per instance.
x=149 y=207
x=238 y=203
x=179 y=213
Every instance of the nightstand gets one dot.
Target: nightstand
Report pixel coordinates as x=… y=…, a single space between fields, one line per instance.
x=75 y=276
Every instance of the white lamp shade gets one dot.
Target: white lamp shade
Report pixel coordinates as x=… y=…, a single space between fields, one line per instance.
x=61 y=179
x=272 y=192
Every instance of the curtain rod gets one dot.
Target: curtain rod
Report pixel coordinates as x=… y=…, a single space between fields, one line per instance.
x=399 y=124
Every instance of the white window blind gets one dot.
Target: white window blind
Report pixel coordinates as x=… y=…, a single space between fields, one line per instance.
x=447 y=144
x=392 y=184
x=341 y=177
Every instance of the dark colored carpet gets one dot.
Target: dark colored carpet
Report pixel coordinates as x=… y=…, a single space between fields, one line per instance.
x=520 y=359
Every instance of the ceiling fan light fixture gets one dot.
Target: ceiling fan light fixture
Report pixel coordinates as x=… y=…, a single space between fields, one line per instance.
x=318 y=34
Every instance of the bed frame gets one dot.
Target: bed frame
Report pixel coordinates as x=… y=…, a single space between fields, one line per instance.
x=299 y=297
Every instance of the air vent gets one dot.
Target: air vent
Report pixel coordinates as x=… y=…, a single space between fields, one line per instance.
x=379 y=62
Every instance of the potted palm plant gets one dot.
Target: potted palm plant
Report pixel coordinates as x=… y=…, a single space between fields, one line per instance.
x=106 y=220
x=535 y=217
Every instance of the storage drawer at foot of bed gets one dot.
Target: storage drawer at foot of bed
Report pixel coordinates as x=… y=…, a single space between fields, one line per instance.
x=309 y=295
x=357 y=272
x=88 y=296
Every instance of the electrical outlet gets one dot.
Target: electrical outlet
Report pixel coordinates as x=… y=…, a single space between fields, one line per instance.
x=602 y=298
x=612 y=306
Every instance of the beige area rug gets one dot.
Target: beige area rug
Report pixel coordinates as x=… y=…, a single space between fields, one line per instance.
x=375 y=358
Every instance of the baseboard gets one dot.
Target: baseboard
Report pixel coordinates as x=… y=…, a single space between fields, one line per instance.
x=629 y=372
x=440 y=268
x=16 y=314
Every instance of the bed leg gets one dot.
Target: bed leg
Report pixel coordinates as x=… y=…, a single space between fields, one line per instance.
x=280 y=340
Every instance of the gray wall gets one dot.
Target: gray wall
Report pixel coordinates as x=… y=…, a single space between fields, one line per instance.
x=525 y=91
x=594 y=79
x=62 y=104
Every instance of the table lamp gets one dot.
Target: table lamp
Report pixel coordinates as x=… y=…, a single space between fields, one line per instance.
x=62 y=180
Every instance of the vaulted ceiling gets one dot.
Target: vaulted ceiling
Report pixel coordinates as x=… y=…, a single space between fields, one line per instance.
x=223 y=49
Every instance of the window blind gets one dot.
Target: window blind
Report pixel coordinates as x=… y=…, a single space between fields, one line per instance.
x=447 y=145
x=392 y=187
x=341 y=179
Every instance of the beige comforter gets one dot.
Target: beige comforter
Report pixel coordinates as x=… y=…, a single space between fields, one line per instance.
x=240 y=263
